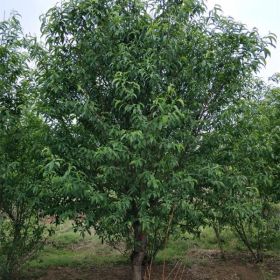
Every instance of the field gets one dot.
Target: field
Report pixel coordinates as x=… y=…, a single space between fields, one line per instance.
x=68 y=256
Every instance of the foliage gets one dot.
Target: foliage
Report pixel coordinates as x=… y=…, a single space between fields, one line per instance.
x=247 y=155
x=21 y=134
x=131 y=90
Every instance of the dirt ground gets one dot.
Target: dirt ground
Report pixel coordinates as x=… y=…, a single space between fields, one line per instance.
x=200 y=265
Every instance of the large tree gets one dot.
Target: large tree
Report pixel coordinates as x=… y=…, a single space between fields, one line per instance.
x=129 y=90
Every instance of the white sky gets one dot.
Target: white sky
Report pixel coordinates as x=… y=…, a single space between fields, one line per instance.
x=265 y=15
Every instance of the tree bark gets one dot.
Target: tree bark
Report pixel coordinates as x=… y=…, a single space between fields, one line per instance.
x=139 y=252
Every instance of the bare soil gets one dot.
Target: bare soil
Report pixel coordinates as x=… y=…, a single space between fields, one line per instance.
x=200 y=265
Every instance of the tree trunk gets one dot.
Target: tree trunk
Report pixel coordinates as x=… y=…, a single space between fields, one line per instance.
x=243 y=236
x=217 y=231
x=139 y=252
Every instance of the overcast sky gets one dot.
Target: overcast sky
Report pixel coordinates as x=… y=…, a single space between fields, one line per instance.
x=265 y=15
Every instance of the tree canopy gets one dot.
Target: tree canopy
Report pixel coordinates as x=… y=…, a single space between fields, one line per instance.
x=131 y=89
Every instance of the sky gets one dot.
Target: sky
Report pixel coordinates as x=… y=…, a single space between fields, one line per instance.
x=265 y=15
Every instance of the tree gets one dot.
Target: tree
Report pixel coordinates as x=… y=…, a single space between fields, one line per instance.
x=129 y=90
x=246 y=188
x=21 y=158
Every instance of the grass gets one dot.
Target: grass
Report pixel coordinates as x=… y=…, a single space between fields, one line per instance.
x=49 y=258
x=67 y=248
x=208 y=240
x=177 y=248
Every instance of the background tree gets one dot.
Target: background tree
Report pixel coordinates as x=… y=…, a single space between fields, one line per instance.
x=129 y=90
x=21 y=135
x=245 y=149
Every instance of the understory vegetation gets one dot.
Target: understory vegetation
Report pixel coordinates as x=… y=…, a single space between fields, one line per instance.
x=69 y=249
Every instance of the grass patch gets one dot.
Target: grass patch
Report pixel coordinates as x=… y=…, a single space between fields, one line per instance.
x=67 y=248
x=178 y=248
x=208 y=240
x=74 y=259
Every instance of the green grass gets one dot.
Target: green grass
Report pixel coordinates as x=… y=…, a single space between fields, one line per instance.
x=178 y=248
x=50 y=258
x=67 y=248
x=208 y=240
